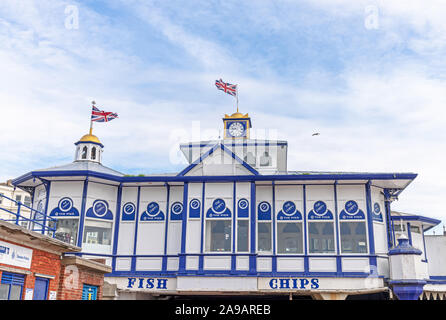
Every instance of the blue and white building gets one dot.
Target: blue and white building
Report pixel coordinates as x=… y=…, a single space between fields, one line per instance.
x=236 y=221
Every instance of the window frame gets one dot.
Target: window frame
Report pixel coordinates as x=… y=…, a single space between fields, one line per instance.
x=284 y=222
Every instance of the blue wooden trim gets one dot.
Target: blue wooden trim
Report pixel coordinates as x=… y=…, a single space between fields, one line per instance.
x=274 y=240
x=135 y=240
x=89 y=142
x=117 y=222
x=424 y=243
x=409 y=233
x=306 y=260
x=253 y=218
x=418 y=218
x=82 y=216
x=240 y=178
x=368 y=195
x=203 y=198
x=389 y=229
x=199 y=160
x=48 y=190
x=234 y=144
x=242 y=162
x=182 y=262
x=234 y=228
x=166 y=229
x=338 y=249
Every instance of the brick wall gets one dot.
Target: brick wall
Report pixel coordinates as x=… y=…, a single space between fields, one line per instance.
x=72 y=280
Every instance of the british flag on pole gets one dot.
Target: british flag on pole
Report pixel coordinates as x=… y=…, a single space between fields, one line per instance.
x=102 y=116
x=226 y=87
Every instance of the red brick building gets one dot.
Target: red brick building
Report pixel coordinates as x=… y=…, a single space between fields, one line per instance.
x=38 y=267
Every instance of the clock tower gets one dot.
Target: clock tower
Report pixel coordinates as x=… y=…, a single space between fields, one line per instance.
x=236 y=126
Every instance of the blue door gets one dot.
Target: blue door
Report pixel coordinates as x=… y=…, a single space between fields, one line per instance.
x=89 y=292
x=40 y=289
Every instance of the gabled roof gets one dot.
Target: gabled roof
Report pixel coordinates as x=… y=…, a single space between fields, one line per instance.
x=210 y=152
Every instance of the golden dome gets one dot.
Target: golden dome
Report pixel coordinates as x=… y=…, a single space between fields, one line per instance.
x=237 y=115
x=90 y=138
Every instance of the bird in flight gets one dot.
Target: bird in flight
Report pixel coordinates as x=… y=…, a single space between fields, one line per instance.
x=315 y=134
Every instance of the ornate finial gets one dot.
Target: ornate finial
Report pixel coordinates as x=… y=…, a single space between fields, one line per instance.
x=93 y=102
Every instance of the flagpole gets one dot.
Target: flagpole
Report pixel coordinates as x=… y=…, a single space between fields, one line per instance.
x=236 y=95
x=91 y=121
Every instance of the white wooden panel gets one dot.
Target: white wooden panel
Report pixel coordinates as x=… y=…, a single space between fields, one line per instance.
x=175 y=195
x=242 y=263
x=292 y=193
x=355 y=265
x=322 y=264
x=264 y=193
x=103 y=192
x=64 y=189
x=195 y=190
x=290 y=264
x=217 y=263
x=383 y=267
x=219 y=190
x=150 y=238
x=149 y=264
x=264 y=264
x=192 y=263
x=126 y=238
x=123 y=264
x=174 y=237
x=351 y=192
x=243 y=190
x=173 y=264
x=193 y=236
x=157 y=194
x=324 y=192
x=379 y=232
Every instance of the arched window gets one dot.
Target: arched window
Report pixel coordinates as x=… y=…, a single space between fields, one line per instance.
x=84 y=153
x=93 y=153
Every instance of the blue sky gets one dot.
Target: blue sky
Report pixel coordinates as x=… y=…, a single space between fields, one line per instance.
x=377 y=95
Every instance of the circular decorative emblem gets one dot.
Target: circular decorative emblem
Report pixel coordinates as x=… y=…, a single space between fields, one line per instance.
x=351 y=207
x=376 y=208
x=100 y=208
x=65 y=204
x=264 y=206
x=129 y=208
x=40 y=206
x=320 y=208
x=289 y=208
x=243 y=203
x=218 y=206
x=152 y=209
x=195 y=204
x=177 y=208
x=236 y=129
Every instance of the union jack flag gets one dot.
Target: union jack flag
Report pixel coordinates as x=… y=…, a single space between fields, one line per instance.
x=226 y=87
x=102 y=116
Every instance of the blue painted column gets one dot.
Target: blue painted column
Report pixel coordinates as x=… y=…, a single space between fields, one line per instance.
x=306 y=260
x=274 y=258
x=82 y=217
x=135 y=240
x=389 y=223
x=234 y=230
x=337 y=235
x=117 y=222
x=368 y=195
x=182 y=255
x=252 y=256
x=404 y=282
x=201 y=258
x=48 y=190
x=166 y=229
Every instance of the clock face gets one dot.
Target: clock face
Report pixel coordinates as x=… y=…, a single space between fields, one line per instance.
x=236 y=129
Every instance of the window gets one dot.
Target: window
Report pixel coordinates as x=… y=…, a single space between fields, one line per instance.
x=66 y=230
x=265 y=159
x=27 y=201
x=250 y=159
x=84 y=152
x=243 y=235
x=11 y=286
x=93 y=153
x=321 y=237
x=415 y=229
x=264 y=237
x=353 y=237
x=218 y=235
x=289 y=237
x=97 y=233
x=399 y=227
x=18 y=198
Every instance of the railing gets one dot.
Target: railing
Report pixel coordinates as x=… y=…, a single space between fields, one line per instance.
x=47 y=224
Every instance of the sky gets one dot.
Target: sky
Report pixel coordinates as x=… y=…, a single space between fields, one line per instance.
x=369 y=76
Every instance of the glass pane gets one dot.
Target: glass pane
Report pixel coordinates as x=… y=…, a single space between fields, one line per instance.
x=218 y=236
x=243 y=236
x=264 y=236
x=4 y=289
x=15 y=293
x=289 y=237
x=66 y=230
x=98 y=233
x=353 y=237
x=321 y=237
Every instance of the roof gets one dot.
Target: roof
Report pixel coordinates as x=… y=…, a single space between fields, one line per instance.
x=430 y=222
